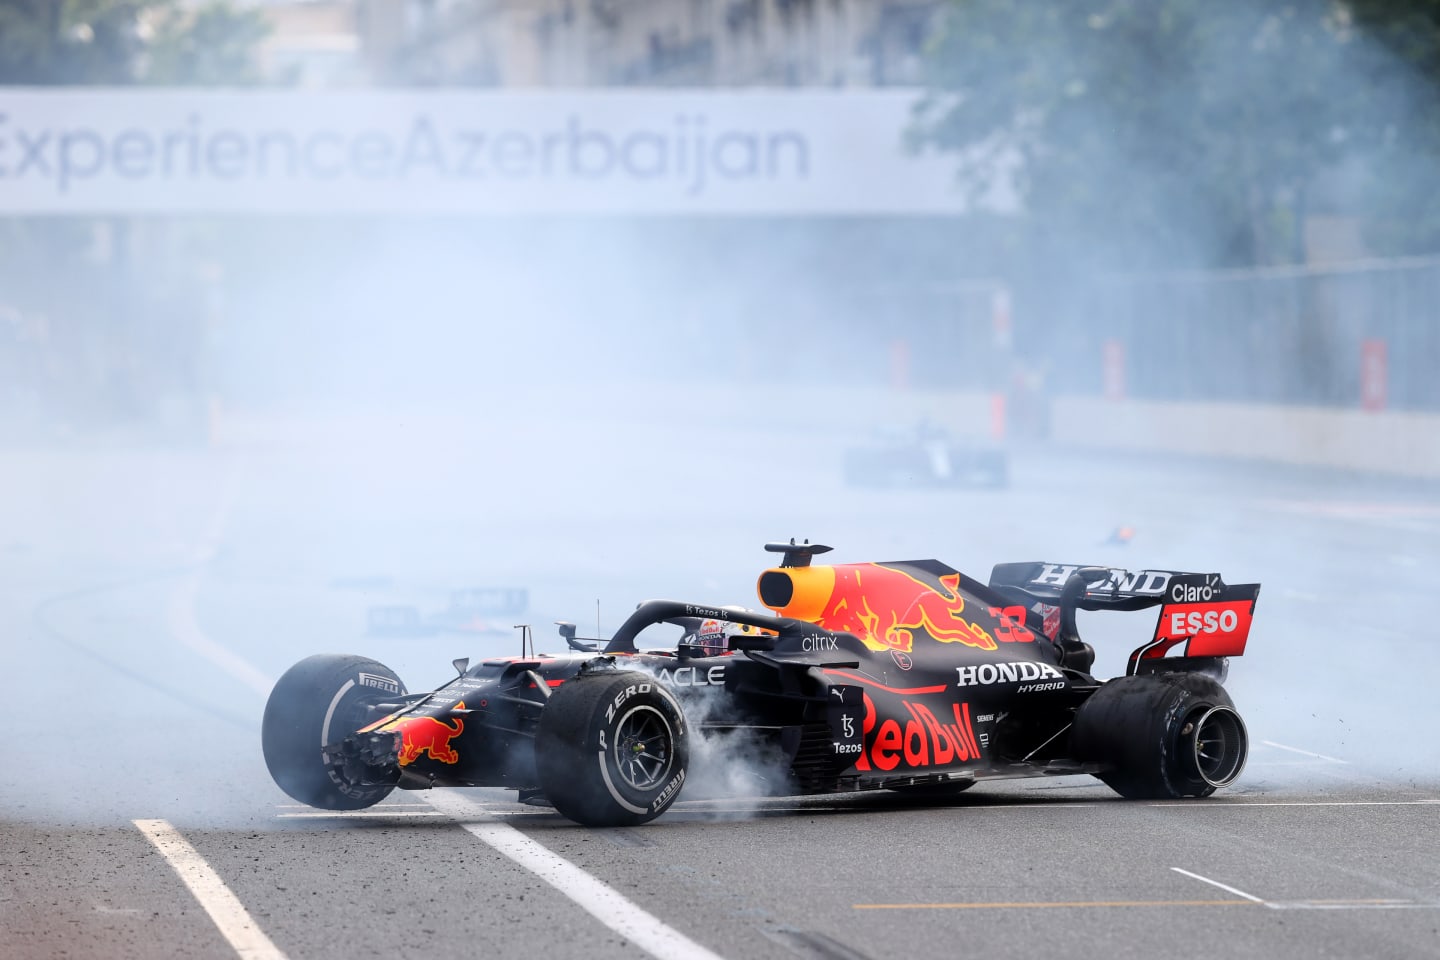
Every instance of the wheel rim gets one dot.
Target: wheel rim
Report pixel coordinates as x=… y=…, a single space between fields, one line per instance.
x=643 y=753
x=1221 y=745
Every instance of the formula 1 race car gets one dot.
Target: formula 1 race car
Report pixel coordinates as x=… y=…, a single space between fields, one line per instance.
x=925 y=457
x=905 y=676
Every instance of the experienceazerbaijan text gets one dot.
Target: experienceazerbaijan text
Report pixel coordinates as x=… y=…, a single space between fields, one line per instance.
x=688 y=153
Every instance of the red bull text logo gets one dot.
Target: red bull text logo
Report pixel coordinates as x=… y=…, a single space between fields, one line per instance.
x=921 y=740
x=420 y=735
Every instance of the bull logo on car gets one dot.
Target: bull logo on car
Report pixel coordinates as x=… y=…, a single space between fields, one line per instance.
x=421 y=735
x=888 y=608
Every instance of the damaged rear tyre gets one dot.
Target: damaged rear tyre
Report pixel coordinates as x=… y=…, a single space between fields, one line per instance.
x=612 y=749
x=1162 y=736
x=318 y=703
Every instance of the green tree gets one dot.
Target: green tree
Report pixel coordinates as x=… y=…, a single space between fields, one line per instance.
x=1403 y=190
x=46 y=42
x=110 y=42
x=213 y=46
x=119 y=332
x=1166 y=133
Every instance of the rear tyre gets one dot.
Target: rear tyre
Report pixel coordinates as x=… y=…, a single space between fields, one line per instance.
x=612 y=749
x=319 y=702
x=1163 y=736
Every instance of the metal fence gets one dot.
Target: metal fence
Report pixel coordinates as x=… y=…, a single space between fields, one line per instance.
x=1347 y=336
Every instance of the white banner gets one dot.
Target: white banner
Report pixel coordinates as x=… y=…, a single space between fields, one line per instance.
x=649 y=152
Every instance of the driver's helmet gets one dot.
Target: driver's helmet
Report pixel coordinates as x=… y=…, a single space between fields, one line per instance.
x=712 y=637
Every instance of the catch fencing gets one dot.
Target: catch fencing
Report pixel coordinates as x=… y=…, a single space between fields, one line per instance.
x=1364 y=335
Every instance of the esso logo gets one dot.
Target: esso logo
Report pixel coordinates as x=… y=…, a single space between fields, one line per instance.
x=1195 y=623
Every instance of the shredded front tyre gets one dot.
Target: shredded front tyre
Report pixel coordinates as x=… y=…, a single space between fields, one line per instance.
x=612 y=749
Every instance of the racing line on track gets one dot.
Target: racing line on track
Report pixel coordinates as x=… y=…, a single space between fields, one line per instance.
x=641 y=928
x=224 y=908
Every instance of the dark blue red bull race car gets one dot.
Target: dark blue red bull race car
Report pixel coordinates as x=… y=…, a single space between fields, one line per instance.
x=906 y=676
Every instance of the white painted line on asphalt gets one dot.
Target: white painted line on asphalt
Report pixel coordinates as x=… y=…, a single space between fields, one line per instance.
x=1119 y=804
x=180 y=612
x=643 y=929
x=1266 y=764
x=1226 y=887
x=1373 y=905
x=224 y=908
x=1303 y=753
x=1094 y=904
x=184 y=626
x=380 y=806
x=356 y=814
x=1192 y=805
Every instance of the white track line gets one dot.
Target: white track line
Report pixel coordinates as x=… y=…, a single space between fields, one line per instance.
x=1303 y=753
x=1192 y=805
x=180 y=612
x=224 y=908
x=1227 y=888
x=1386 y=905
x=383 y=806
x=357 y=814
x=643 y=929
x=1117 y=803
x=184 y=624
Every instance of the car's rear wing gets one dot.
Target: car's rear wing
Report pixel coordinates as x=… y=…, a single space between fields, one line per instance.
x=1202 y=618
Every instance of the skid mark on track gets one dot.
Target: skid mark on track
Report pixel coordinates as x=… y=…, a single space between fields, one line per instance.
x=624 y=837
x=224 y=908
x=641 y=928
x=813 y=946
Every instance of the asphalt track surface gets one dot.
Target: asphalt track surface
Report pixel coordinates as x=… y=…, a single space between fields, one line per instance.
x=148 y=598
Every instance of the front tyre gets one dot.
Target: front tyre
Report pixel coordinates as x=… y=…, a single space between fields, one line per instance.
x=317 y=703
x=612 y=749
x=1163 y=736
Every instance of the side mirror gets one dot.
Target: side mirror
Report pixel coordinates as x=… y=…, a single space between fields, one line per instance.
x=567 y=631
